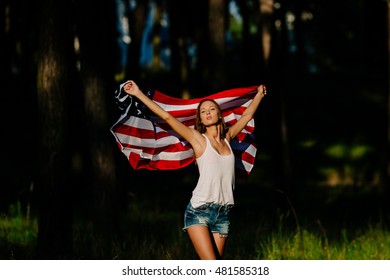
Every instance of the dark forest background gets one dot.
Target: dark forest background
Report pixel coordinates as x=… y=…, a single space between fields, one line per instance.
x=322 y=131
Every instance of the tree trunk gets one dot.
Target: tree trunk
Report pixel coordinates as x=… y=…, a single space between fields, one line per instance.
x=217 y=32
x=186 y=28
x=278 y=89
x=178 y=23
x=266 y=22
x=55 y=44
x=137 y=19
x=387 y=179
x=96 y=23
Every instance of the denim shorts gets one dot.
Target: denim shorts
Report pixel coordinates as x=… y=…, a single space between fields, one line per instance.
x=213 y=216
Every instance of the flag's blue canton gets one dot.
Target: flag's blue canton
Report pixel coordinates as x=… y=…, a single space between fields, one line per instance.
x=134 y=107
x=139 y=110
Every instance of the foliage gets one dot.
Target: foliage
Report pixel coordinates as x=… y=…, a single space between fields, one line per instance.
x=18 y=234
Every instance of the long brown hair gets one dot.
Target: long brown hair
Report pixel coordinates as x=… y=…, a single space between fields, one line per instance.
x=199 y=126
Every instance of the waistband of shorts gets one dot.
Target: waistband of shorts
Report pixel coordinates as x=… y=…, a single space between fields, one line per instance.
x=217 y=206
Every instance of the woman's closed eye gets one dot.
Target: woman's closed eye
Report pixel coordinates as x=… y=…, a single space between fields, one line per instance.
x=204 y=111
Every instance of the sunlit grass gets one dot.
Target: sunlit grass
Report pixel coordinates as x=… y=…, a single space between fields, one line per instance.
x=18 y=234
x=373 y=244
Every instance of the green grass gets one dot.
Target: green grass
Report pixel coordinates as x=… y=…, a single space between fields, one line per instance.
x=157 y=234
x=372 y=244
x=18 y=234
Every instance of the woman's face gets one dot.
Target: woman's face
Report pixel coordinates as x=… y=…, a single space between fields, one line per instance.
x=209 y=113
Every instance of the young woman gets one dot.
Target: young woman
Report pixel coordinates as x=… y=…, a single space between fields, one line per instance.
x=206 y=218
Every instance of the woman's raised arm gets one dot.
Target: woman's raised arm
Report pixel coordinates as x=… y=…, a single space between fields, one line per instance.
x=247 y=115
x=189 y=134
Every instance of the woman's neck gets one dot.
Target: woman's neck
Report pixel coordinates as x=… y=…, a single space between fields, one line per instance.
x=214 y=132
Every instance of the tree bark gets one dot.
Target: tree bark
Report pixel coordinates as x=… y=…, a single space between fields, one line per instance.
x=266 y=22
x=136 y=25
x=387 y=175
x=217 y=32
x=95 y=24
x=54 y=236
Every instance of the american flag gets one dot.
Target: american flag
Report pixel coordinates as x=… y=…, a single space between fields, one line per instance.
x=149 y=143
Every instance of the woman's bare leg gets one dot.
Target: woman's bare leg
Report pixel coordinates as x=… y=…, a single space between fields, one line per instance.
x=219 y=242
x=203 y=242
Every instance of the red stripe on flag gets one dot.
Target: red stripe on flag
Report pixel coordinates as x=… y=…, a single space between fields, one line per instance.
x=152 y=144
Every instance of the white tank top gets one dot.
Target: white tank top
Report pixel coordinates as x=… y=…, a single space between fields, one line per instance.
x=216 y=177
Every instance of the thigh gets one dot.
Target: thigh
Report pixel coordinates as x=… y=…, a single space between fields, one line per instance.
x=203 y=242
x=220 y=242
